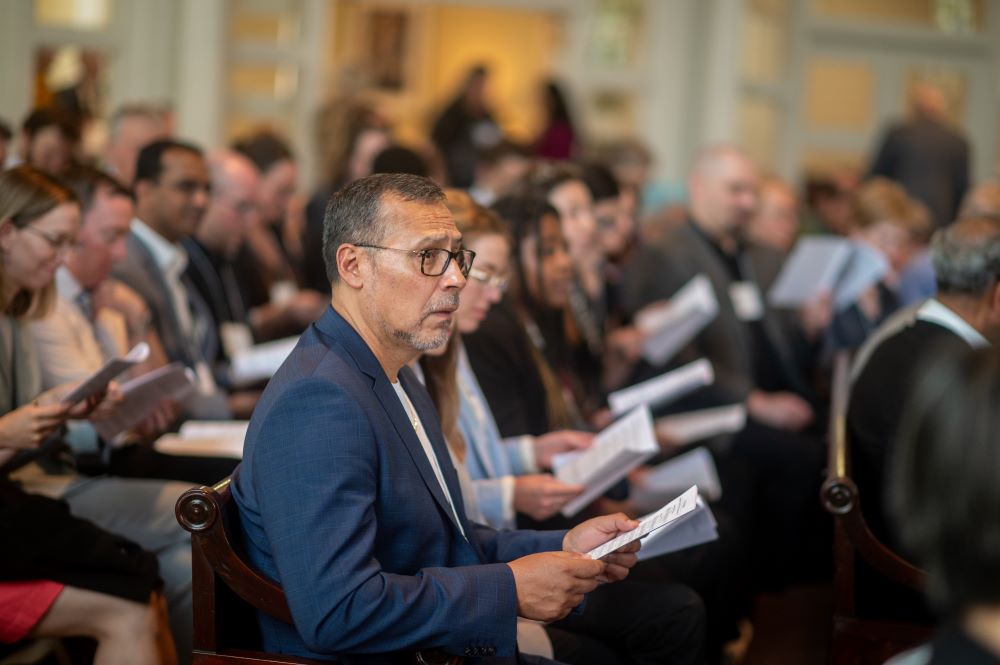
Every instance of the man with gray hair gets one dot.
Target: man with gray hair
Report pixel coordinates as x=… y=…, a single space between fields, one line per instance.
x=346 y=491
x=964 y=314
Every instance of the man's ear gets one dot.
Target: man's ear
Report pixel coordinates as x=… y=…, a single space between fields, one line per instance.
x=141 y=188
x=351 y=265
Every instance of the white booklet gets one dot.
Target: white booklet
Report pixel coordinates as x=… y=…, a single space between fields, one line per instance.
x=142 y=394
x=685 y=428
x=695 y=528
x=669 y=478
x=622 y=446
x=662 y=389
x=260 y=362
x=211 y=438
x=662 y=530
x=100 y=379
x=675 y=323
x=827 y=264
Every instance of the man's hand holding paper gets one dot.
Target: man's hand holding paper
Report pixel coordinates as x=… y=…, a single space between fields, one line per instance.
x=593 y=533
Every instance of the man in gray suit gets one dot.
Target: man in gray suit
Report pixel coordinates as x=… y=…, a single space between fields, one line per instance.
x=171 y=191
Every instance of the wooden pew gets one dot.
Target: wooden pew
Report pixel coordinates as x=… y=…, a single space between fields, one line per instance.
x=859 y=641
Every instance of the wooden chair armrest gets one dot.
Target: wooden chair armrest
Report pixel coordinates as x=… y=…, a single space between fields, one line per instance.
x=840 y=497
x=202 y=511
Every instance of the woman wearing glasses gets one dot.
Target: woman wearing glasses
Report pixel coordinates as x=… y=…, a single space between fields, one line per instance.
x=61 y=576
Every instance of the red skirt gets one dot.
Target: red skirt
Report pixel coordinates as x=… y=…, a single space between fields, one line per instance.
x=22 y=606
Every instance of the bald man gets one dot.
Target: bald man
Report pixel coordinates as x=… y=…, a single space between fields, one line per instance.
x=926 y=155
x=770 y=470
x=745 y=344
x=231 y=212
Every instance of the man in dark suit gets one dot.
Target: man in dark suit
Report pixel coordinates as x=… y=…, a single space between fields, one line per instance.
x=346 y=492
x=964 y=314
x=770 y=470
x=748 y=347
x=927 y=156
x=171 y=192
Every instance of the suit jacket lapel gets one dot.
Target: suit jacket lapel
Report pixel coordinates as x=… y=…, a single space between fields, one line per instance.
x=178 y=345
x=334 y=325
x=710 y=263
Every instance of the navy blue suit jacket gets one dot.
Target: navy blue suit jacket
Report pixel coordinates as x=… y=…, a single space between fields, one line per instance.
x=339 y=504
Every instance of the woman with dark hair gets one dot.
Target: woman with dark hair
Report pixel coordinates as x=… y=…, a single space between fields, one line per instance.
x=520 y=353
x=62 y=576
x=558 y=139
x=945 y=500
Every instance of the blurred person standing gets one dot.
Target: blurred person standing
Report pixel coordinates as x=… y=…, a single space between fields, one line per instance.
x=558 y=139
x=927 y=156
x=465 y=128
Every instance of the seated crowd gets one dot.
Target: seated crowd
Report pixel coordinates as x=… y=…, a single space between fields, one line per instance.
x=399 y=471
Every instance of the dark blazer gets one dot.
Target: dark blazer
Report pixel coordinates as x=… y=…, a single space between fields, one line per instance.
x=931 y=161
x=661 y=269
x=339 y=504
x=876 y=405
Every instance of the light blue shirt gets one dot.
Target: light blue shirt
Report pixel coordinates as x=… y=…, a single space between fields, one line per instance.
x=492 y=462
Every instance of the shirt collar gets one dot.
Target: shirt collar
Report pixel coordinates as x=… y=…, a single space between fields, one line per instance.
x=169 y=257
x=933 y=311
x=67 y=287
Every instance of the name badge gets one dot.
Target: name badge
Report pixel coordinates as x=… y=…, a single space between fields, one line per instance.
x=746 y=300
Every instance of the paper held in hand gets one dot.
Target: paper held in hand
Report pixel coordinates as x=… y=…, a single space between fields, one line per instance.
x=211 y=438
x=260 y=362
x=671 y=325
x=672 y=513
x=621 y=447
x=825 y=264
x=659 y=484
x=99 y=380
x=664 y=388
x=691 y=426
x=144 y=393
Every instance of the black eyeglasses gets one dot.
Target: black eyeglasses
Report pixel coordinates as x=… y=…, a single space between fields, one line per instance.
x=56 y=242
x=435 y=261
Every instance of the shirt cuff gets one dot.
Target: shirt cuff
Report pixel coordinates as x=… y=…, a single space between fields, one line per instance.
x=527 y=446
x=507 y=484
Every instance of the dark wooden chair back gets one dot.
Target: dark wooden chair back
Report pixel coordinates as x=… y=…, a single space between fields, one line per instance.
x=858 y=641
x=228 y=592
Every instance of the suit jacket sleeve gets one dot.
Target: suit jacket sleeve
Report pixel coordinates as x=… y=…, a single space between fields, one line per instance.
x=316 y=484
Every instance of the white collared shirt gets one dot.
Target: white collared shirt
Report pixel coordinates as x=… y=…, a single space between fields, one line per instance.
x=933 y=311
x=172 y=261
